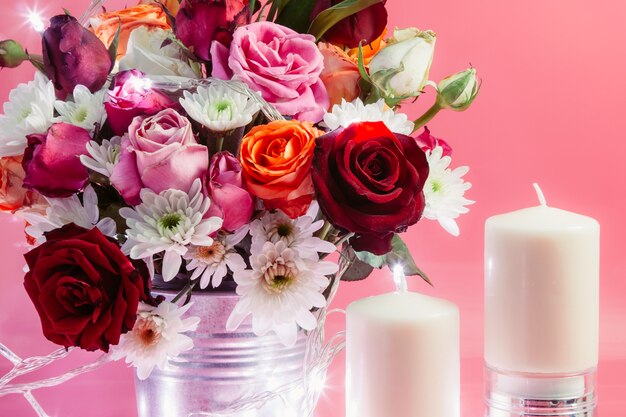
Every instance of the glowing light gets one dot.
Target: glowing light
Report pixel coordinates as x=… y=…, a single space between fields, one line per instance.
x=36 y=21
x=317 y=381
x=140 y=83
x=399 y=278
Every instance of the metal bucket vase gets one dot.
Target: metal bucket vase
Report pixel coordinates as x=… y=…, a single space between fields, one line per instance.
x=229 y=373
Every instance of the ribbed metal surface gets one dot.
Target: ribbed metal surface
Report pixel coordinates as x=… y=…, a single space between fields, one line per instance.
x=223 y=368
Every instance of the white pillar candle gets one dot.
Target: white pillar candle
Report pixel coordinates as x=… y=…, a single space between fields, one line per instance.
x=541 y=291
x=402 y=355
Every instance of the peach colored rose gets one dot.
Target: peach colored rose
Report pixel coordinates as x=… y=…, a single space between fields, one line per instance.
x=340 y=74
x=105 y=25
x=171 y=5
x=276 y=164
x=13 y=196
x=369 y=50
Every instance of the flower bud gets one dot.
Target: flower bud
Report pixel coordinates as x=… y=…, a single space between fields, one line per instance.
x=400 y=70
x=11 y=54
x=457 y=91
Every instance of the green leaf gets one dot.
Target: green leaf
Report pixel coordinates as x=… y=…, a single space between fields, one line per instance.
x=400 y=254
x=358 y=269
x=295 y=14
x=376 y=261
x=115 y=44
x=67 y=12
x=331 y=16
x=252 y=6
x=361 y=65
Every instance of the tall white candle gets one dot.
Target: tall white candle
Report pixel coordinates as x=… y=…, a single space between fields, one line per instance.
x=541 y=291
x=402 y=356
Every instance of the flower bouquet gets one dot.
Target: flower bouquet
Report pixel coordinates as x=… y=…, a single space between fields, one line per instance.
x=187 y=171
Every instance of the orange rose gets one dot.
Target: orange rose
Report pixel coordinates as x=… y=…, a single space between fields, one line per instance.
x=340 y=74
x=13 y=196
x=105 y=25
x=276 y=164
x=369 y=50
x=171 y=5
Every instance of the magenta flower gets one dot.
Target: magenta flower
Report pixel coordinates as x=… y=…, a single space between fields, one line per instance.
x=131 y=96
x=200 y=22
x=428 y=142
x=281 y=64
x=229 y=199
x=160 y=152
x=72 y=55
x=51 y=161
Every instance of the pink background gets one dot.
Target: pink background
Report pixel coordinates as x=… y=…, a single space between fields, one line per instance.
x=551 y=110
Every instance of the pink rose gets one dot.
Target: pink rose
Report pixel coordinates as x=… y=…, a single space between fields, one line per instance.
x=160 y=152
x=428 y=142
x=281 y=64
x=51 y=161
x=130 y=96
x=229 y=200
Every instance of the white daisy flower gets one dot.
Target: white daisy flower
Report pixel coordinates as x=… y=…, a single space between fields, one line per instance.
x=279 y=292
x=62 y=211
x=86 y=110
x=168 y=222
x=156 y=337
x=219 y=108
x=211 y=263
x=30 y=109
x=347 y=113
x=104 y=156
x=296 y=233
x=444 y=190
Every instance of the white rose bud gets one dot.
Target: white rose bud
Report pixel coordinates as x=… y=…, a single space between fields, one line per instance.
x=457 y=91
x=401 y=69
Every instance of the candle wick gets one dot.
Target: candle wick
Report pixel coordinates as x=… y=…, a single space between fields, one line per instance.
x=540 y=196
x=400 y=279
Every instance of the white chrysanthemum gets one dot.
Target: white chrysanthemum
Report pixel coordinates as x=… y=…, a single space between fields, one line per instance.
x=103 y=157
x=62 y=211
x=211 y=263
x=168 y=222
x=86 y=110
x=295 y=233
x=347 y=113
x=219 y=108
x=30 y=109
x=444 y=190
x=280 y=291
x=156 y=337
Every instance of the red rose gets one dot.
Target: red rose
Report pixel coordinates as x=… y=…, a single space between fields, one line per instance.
x=369 y=181
x=83 y=287
x=364 y=26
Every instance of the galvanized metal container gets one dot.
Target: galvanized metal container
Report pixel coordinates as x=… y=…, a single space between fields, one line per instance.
x=234 y=371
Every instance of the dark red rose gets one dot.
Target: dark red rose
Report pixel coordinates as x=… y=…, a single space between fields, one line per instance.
x=369 y=181
x=200 y=22
x=73 y=55
x=83 y=287
x=51 y=161
x=428 y=142
x=364 y=26
x=130 y=96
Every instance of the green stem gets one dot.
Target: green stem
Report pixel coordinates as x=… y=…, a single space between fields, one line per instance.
x=219 y=144
x=186 y=290
x=427 y=117
x=325 y=229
